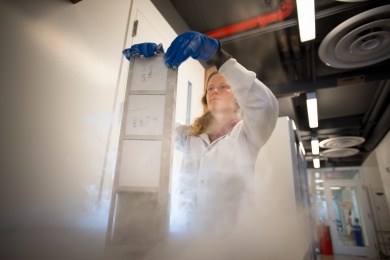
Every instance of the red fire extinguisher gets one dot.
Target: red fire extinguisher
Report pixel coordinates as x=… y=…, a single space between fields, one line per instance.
x=325 y=240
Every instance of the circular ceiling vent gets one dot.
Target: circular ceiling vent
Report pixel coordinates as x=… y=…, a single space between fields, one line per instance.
x=360 y=41
x=342 y=142
x=351 y=1
x=339 y=152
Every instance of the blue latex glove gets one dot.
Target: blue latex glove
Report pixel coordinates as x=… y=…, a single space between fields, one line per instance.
x=143 y=50
x=190 y=44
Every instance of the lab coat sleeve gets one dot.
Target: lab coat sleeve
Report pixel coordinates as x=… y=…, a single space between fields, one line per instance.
x=260 y=106
x=180 y=136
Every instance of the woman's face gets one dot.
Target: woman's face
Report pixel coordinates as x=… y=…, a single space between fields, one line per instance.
x=220 y=98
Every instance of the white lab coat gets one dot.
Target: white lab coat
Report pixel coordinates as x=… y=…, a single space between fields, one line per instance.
x=217 y=177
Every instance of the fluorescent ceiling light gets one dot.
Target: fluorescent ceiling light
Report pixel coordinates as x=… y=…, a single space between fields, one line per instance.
x=318 y=181
x=335 y=188
x=315 y=147
x=319 y=188
x=306 y=20
x=311 y=102
x=316 y=163
x=317 y=174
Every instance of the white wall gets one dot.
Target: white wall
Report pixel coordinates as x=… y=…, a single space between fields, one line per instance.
x=370 y=172
x=374 y=174
x=59 y=74
x=382 y=153
x=192 y=71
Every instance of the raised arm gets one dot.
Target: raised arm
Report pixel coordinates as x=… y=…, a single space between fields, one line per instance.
x=260 y=106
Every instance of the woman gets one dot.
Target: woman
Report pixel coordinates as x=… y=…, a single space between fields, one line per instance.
x=221 y=146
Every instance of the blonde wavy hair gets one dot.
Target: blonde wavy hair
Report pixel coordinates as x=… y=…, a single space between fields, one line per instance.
x=202 y=123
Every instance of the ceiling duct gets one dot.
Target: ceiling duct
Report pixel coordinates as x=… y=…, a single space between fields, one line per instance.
x=342 y=142
x=284 y=10
x=360 y=41
x=352 y=1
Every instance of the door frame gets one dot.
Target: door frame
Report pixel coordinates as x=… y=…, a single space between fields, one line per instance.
x=366 y=218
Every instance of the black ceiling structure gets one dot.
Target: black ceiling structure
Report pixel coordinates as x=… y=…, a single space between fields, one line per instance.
x=353 y=91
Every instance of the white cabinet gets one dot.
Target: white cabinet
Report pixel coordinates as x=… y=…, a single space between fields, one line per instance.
x=281 y=190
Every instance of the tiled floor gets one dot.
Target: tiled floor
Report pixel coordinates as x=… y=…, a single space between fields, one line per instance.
x=343 y=257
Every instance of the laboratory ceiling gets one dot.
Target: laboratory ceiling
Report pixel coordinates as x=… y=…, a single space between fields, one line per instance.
x=347 y=65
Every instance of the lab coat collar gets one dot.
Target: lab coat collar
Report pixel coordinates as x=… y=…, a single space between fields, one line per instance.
x=224 y=131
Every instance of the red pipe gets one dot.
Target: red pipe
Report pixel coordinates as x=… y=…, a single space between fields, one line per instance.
x=284 y=10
